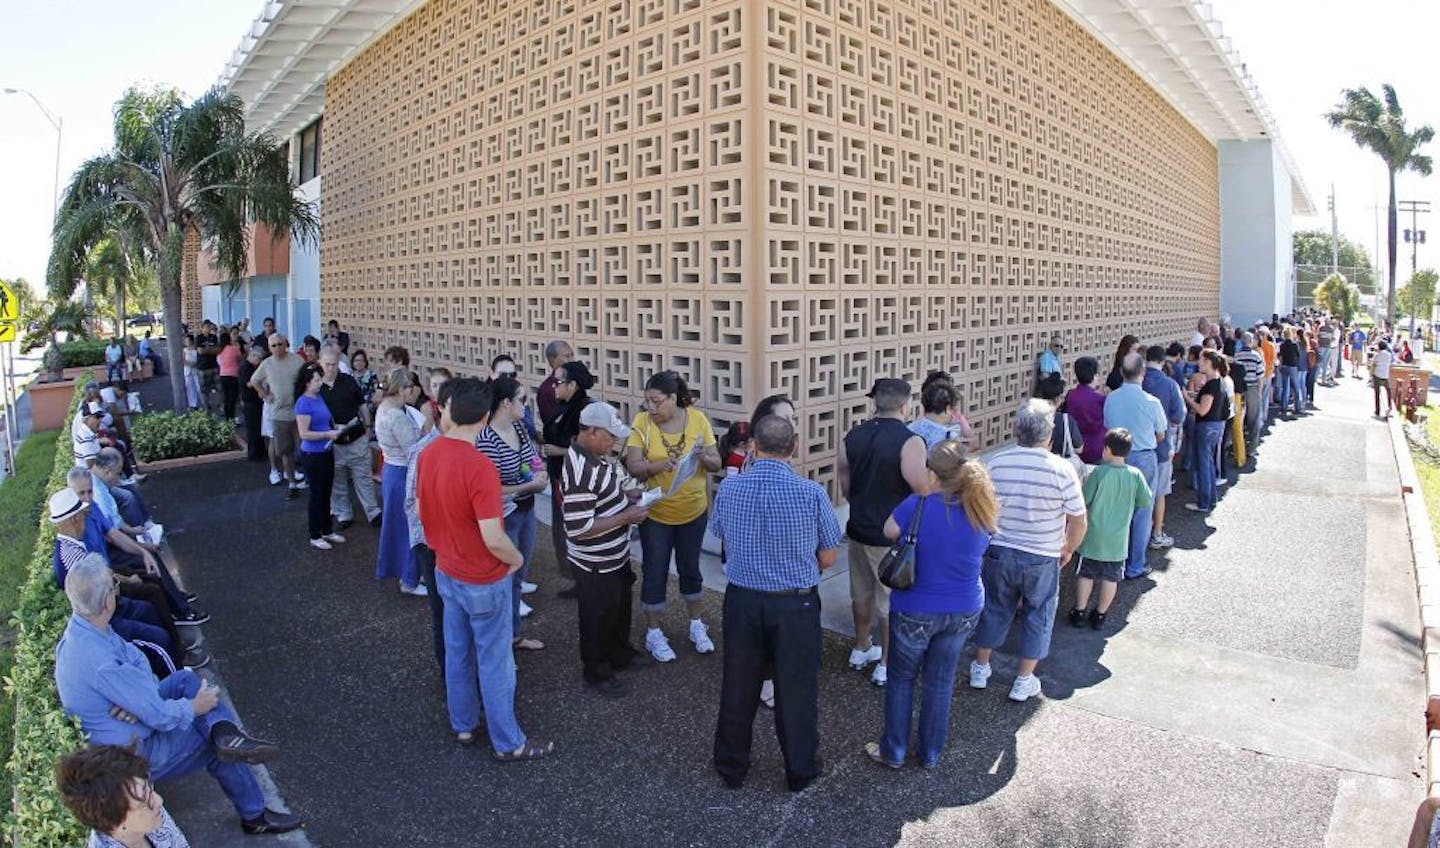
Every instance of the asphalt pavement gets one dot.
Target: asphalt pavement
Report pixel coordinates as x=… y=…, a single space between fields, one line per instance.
x=1261 y=688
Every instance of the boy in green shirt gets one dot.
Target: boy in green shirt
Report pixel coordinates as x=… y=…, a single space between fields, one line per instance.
x=1113 y=492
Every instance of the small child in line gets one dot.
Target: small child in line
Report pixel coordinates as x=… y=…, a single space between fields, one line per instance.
x=1112 y=492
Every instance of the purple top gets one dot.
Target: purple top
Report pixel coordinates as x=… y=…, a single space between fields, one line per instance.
x=1087 y=406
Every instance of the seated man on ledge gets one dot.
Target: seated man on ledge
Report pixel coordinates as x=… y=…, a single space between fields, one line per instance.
x=177 y=724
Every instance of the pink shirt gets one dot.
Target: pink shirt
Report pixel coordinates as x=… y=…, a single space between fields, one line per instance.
x=229 y=361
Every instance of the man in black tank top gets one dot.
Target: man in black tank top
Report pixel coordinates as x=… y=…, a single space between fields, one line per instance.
x=881 y=463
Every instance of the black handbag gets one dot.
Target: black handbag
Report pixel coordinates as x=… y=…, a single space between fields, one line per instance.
x=897 y=569
x=350 y=432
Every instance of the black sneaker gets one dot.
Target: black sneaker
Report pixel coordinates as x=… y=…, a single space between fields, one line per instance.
x=193 y=618
x=1077 y=618
x=190 y=597
x=233 y=746
x=609 y=687
x=272 y=821
x=1097 y=619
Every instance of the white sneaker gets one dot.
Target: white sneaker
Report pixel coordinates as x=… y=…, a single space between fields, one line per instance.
x=878 y=676
x=1166 y=540
x=335 y=538
x=321 y=544
x=525 y=609
x=979 y=675
x=700 y=637
x=300 y=485
x=659 y=646
x=418 y=590
x=275 y=477
x=299 y=476
x=527 y=588
x=859 y=659
x=767 y=694
x=1025 y=688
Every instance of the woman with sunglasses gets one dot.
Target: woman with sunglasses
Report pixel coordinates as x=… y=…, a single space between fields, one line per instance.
x=663 y=436
x=522 y=475
x=317 y=435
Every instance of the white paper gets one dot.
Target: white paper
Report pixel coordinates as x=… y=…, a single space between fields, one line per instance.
x=154 y=534
x=687 y=468
x=649 y=497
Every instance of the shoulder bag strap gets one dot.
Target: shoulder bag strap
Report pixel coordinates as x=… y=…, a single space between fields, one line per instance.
x=1069 y=445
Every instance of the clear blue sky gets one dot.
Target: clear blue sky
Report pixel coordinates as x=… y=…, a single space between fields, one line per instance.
x=77 y=56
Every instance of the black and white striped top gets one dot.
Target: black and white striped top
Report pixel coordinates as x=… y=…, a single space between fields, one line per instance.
x=511 y=463
x=592 y=491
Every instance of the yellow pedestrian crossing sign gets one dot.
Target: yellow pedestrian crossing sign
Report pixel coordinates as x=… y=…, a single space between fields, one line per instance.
x=9 y=304
x=7 y=332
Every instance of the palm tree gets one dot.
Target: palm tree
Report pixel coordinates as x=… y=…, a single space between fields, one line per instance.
x=177 y=168
x=115 y=273
x=1379 y=126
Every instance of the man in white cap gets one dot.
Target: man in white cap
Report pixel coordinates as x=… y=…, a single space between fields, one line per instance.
x=598 y=515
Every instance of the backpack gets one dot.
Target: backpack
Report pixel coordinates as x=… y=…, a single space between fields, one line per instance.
x=1237 y=376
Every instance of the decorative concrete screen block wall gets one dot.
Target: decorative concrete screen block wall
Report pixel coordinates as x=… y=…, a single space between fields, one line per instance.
x=192 y=304
x=792 y=196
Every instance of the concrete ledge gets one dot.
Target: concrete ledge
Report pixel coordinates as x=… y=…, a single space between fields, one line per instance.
x=187 y=461
x=1427 y=589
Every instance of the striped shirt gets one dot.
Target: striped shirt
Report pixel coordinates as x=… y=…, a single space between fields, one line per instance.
x=68 y=554
x=87 y=444
x=1254 y=365
x=511 y=463
x=591 y=487
x=1037 y=490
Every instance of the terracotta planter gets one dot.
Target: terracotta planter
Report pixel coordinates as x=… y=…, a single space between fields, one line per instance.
x=86 y=373
x=188 y=461
x=50 y=404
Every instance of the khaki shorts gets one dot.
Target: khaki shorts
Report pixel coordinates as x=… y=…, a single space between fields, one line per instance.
x=287 y=437
x=865 y=582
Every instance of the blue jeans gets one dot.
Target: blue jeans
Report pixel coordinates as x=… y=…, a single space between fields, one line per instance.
x=114 y=371
x=657 y=542
x=178 y=752
x=1292 y=386
x=1010 y=575
x=477 y=647
x=520 y=527
x=925 y=646
x=1207 y=435
x=1140 y=522
x=1326 y=354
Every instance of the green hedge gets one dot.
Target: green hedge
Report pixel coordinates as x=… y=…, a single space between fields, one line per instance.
x=167 y=435
x=42 y=731
x=83 y=353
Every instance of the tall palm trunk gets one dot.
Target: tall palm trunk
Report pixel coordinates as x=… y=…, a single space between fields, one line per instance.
x=169 y=272
x=1390 y=298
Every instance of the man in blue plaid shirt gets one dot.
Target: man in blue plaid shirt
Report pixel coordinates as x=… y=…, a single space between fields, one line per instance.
x=779 y=532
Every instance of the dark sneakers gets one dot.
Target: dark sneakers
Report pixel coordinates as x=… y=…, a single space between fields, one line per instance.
x=232 y=746
x=193 y=618
x=1097 y=619
x=272 y=821
x=609 y=687
x=1077 y=618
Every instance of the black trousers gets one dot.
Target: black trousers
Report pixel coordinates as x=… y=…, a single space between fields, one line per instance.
x=320 y=474
x=762 y=629
x=229 y=392
x=125 y=562
x=254 y=442
x=606 y=601
x=425 y=559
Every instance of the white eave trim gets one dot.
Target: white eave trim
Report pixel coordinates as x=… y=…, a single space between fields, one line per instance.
x=1177 y=46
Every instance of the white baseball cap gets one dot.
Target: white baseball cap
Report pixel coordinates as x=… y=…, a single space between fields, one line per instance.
x=598 y=413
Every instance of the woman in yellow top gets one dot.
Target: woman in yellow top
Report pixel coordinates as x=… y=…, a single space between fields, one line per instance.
x=661 y=438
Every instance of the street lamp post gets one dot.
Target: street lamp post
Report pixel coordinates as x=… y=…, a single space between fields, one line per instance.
x=12 y=416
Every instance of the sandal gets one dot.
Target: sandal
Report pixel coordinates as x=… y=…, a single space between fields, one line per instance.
x=529 y=751
x=525 y=643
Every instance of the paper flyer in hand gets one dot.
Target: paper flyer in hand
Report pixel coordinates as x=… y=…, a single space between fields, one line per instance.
x=687 y=468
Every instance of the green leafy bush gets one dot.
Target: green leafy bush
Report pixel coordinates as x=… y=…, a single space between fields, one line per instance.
x=42 y=731
x=83 y=354
x=166 y=435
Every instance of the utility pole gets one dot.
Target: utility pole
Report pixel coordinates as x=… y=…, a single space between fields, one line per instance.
x=1416 y=237
x=1334 y=235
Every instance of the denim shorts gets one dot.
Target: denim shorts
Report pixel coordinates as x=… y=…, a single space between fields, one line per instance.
x=1010 y=576
x=1095 y=569
x=1164 y=478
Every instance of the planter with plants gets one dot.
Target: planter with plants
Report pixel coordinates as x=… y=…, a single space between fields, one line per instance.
x=165 y=439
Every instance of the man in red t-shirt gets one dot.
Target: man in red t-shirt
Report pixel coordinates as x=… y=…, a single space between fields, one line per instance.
x=458 y=493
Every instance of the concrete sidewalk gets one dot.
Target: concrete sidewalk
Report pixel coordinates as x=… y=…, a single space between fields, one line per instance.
x=1262 y=688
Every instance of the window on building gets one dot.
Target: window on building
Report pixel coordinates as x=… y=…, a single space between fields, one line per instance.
x=310 y=152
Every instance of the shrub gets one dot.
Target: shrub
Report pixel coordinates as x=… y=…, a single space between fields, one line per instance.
x=42 y=731
x=83 y=354
x=167 y=435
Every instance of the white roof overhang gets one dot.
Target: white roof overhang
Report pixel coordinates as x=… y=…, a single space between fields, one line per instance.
x=1180 y=49
x=292 y=48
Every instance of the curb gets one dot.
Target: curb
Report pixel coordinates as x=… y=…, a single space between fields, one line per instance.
x=187 y=461
x=1427 y=589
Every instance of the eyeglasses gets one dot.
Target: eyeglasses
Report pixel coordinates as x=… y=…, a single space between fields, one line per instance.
x=654 y=403
x=510 y=374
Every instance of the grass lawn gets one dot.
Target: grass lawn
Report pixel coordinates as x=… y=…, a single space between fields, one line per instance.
x=1429 y=472
x=20 y=499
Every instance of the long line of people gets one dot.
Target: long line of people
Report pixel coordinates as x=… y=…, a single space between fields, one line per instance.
x=463 y=465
